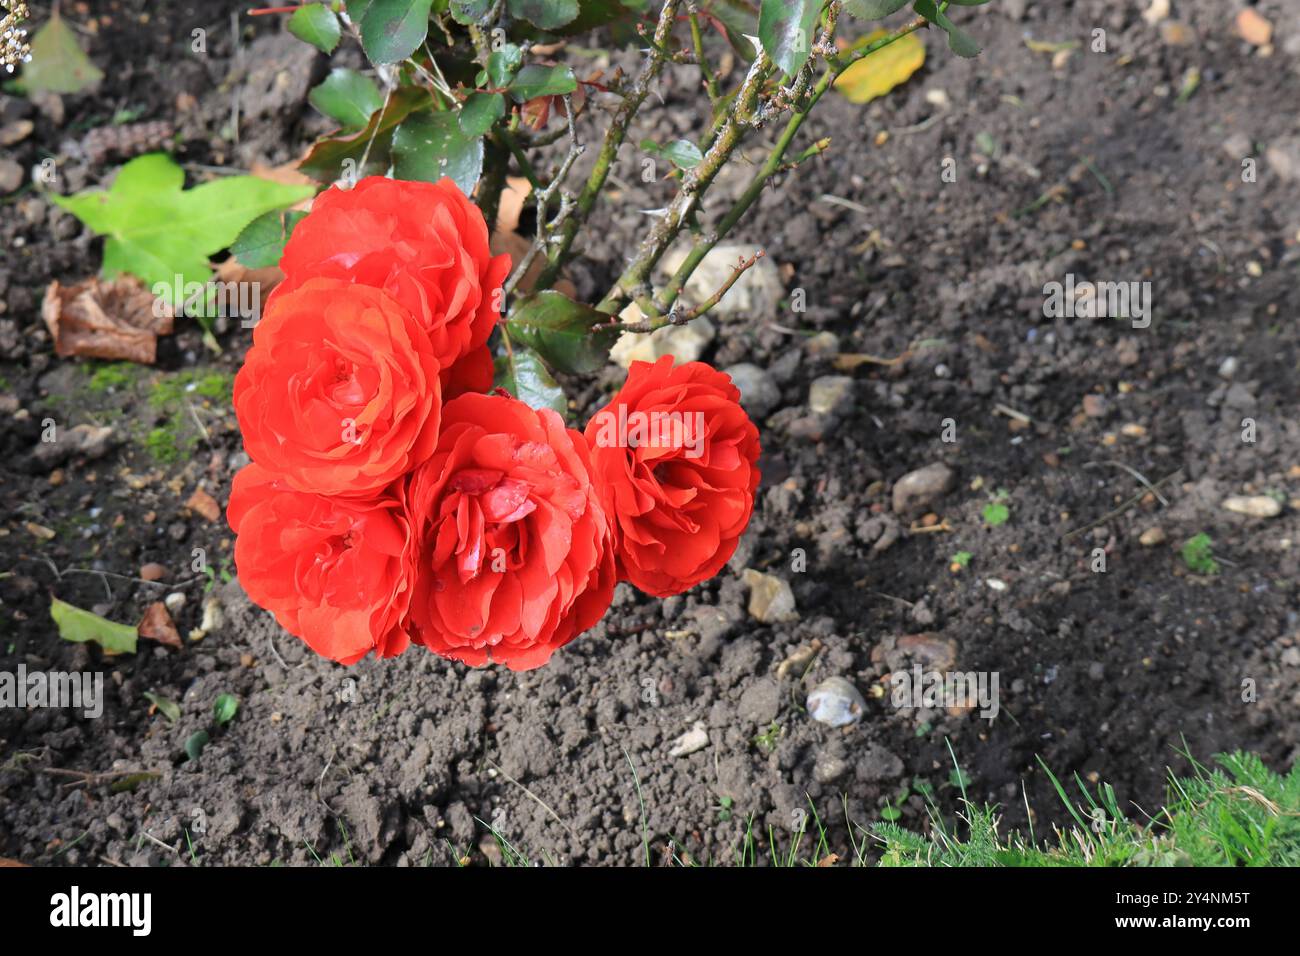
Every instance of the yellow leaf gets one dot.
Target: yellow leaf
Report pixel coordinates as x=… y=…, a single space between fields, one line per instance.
x=879 y=72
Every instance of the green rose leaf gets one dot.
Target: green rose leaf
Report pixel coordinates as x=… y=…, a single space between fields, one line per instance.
x=503 y=64
x=480 y=111
x=785 y=28
x=546 y=14
x=960 y=43
x=469 y=11
x=348 y=97
x=262 y=242
x=560 y=331
x=521 y=372
x=391 y=30
x=333 y=156
x=429 y=146
x=534 y=81
x=682 y=153
x=874 y=9
x=316 y=24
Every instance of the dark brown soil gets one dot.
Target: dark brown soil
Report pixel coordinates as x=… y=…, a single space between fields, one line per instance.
x=1104 y=674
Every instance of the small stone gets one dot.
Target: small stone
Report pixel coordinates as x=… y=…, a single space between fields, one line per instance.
x=1291 y=657
x=213 y=616
x=770 y=598
x=828 y=769
x=1157 y=11
x=1283 y=158
x=153 y=572
x=174 y=601
x=16 y=132
x=694 y=740
x=85 y=441
x=1238 y=146
x=938 y=97
x=797 y=663
x=759 y=395
x=928 y=649
x=755 y=295
x=1256 y=506
x=1228 y=367
x=1254 y=28
x=204 y=504
x=1094 y=406
x=823 y=344
x=11 y=176
x=1177 y=33
x=836 y=702
x=830 y=395
x=916 y=491
x=1152 y=537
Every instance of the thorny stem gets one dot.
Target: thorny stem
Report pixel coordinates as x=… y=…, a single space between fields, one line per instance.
x=697 y=41
x=774 y=162
x=694 y=184
x=614 y=137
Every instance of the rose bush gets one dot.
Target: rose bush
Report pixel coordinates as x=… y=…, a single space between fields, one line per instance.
x=380 y=511
x=333 y=570
x=513 y=551
x=676 y=459
x=339 y=394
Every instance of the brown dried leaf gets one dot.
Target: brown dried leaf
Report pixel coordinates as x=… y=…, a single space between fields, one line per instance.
x=114 y=320
x=157 y=626
x=511 y=204
x=204 y=504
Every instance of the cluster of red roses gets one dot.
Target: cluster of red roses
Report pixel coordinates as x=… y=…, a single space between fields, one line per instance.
x=390 y=501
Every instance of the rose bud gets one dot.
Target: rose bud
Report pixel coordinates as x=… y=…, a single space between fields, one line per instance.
x=424 y=244
x=339 y=393
x=333 y=571
x=675 y=458
x=513 y=554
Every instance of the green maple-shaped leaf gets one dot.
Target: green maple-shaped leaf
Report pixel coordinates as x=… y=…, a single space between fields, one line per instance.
x=158 y=230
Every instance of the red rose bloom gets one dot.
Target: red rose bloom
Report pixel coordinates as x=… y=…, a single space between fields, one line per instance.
x=675 y=458
x=513 y=555
x=339 y=393
x=424 y=244
x=333 y=571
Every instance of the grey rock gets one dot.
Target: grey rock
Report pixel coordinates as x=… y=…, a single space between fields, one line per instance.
x=918 y=490
x=830 y=395
x=759 y=395
x=770 y=598
x=836 y=702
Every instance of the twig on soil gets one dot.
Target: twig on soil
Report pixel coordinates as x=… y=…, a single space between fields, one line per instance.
x=538 y=800
x=1010 y=412
x=1135 y=473
x=1110 y=515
